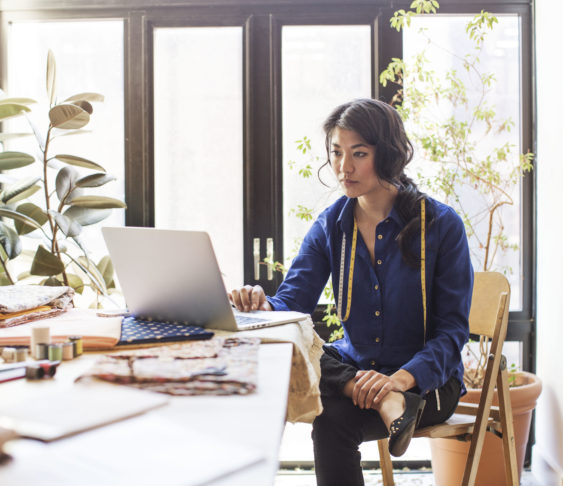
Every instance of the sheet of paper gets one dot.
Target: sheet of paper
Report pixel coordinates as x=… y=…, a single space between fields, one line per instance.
x=55 y=413
x=143 y=451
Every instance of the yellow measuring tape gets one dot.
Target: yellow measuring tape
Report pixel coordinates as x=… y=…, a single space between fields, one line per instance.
x=350 y=273
x=423 y=260
x=353 y=259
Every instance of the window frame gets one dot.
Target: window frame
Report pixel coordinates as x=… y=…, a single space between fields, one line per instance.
x=263 y=20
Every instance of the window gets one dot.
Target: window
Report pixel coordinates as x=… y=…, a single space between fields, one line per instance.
x=207 y=101
x=198 y=165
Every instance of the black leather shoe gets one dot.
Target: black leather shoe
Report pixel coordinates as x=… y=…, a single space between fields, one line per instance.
x=402 y=428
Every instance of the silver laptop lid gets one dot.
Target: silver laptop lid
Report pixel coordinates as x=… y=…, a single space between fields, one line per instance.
x=169 y=275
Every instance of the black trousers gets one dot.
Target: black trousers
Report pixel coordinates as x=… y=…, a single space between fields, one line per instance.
x=342 y=427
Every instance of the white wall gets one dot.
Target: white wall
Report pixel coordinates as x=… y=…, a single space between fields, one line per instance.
x=547 y=458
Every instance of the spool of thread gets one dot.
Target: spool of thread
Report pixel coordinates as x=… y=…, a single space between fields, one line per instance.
x=9 y=355
x=41 y=351
x=55 y=352
x=39 y=335
x=68 y=351
x=21 y=354
x=34 y=372
x=77 y=342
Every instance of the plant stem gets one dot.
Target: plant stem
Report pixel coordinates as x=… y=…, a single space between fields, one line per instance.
x=6 y=271
x=490 y=232
x=54 y=244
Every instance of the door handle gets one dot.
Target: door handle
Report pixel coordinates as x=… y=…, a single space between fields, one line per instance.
x=270 y=256
x=256 y=254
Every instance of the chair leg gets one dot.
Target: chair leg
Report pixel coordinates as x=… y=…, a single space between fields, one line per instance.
x=480 y=427
x=508 y=442
x=385 y=462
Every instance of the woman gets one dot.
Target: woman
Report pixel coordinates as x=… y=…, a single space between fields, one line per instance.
x=398 y=365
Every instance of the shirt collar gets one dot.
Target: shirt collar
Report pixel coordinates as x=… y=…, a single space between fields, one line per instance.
x=346 y=216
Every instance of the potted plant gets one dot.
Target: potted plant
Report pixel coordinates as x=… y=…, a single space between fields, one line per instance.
x=470 y=164
x=48 y=209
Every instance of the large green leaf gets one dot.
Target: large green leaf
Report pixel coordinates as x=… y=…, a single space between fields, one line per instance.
x=33 y=212
x=21 y=219
x=87 y=107
x=10 y=241
x=90 y=269
x=10 y=110
x=11 y=136
x=17 y=101
x=75 y=282
x=79 y=161
x=87 y=216
x=51 y=77
x=98 y=202
x=14 y=160
x=85 y=97
x=52 y=282
x=23 y=195
x=68 y=226
x=105 y=266
x=65 y=182
x=68 y=116
x=95 y=180
x=45 y=263
x=11 y=191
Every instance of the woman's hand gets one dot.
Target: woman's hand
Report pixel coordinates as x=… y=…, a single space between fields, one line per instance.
x=371 y=387
x=249 y=298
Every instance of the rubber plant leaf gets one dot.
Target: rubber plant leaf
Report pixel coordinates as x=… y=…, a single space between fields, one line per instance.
x=79 y=161
x=45 y=263
x=33 y=212
x=14 y=160
x=98 y=202
x=68 y=116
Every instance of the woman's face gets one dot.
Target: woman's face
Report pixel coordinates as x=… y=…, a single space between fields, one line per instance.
x=352 y=160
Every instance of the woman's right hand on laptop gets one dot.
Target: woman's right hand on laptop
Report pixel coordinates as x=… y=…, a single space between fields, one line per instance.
x=249 y=298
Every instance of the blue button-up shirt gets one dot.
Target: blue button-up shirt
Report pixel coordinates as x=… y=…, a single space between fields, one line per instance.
x=385 y=328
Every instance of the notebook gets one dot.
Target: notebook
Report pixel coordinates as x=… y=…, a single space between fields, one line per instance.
x=173 y=275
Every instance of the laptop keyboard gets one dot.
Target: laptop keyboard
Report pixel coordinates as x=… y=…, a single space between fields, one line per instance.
x=244 y=321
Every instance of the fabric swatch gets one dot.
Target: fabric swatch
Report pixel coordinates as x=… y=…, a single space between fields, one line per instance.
x=140 y=331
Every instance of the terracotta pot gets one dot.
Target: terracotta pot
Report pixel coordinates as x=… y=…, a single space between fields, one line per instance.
x=449 y=456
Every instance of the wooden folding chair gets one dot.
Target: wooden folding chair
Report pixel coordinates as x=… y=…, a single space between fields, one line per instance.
x=488 y=317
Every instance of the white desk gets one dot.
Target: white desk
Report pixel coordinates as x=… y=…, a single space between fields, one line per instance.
x=254 y=421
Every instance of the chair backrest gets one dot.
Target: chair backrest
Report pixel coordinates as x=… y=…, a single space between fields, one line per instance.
x=488 y=290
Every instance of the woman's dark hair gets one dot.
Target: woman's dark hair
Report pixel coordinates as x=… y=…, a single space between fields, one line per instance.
x=380 y=125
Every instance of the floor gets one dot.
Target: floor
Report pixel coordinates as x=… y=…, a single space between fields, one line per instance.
x=373 y=478
x=296 y=447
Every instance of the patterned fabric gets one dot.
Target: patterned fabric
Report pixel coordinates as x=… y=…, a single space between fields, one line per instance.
x=15 y=298
x=138 y=331
x=36 y=301
x=222 y=366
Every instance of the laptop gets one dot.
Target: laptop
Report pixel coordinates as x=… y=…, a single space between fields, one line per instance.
x=173 y=275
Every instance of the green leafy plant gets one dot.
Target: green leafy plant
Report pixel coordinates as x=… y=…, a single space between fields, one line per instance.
x=54 y=225
x=469 y=161
x=450 y=130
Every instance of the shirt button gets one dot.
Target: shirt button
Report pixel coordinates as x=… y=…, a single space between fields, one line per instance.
x=379 y=237
x=372 y=363
x=377 y=313
x=377 y=287
x=377 y=339
x=379 y=262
